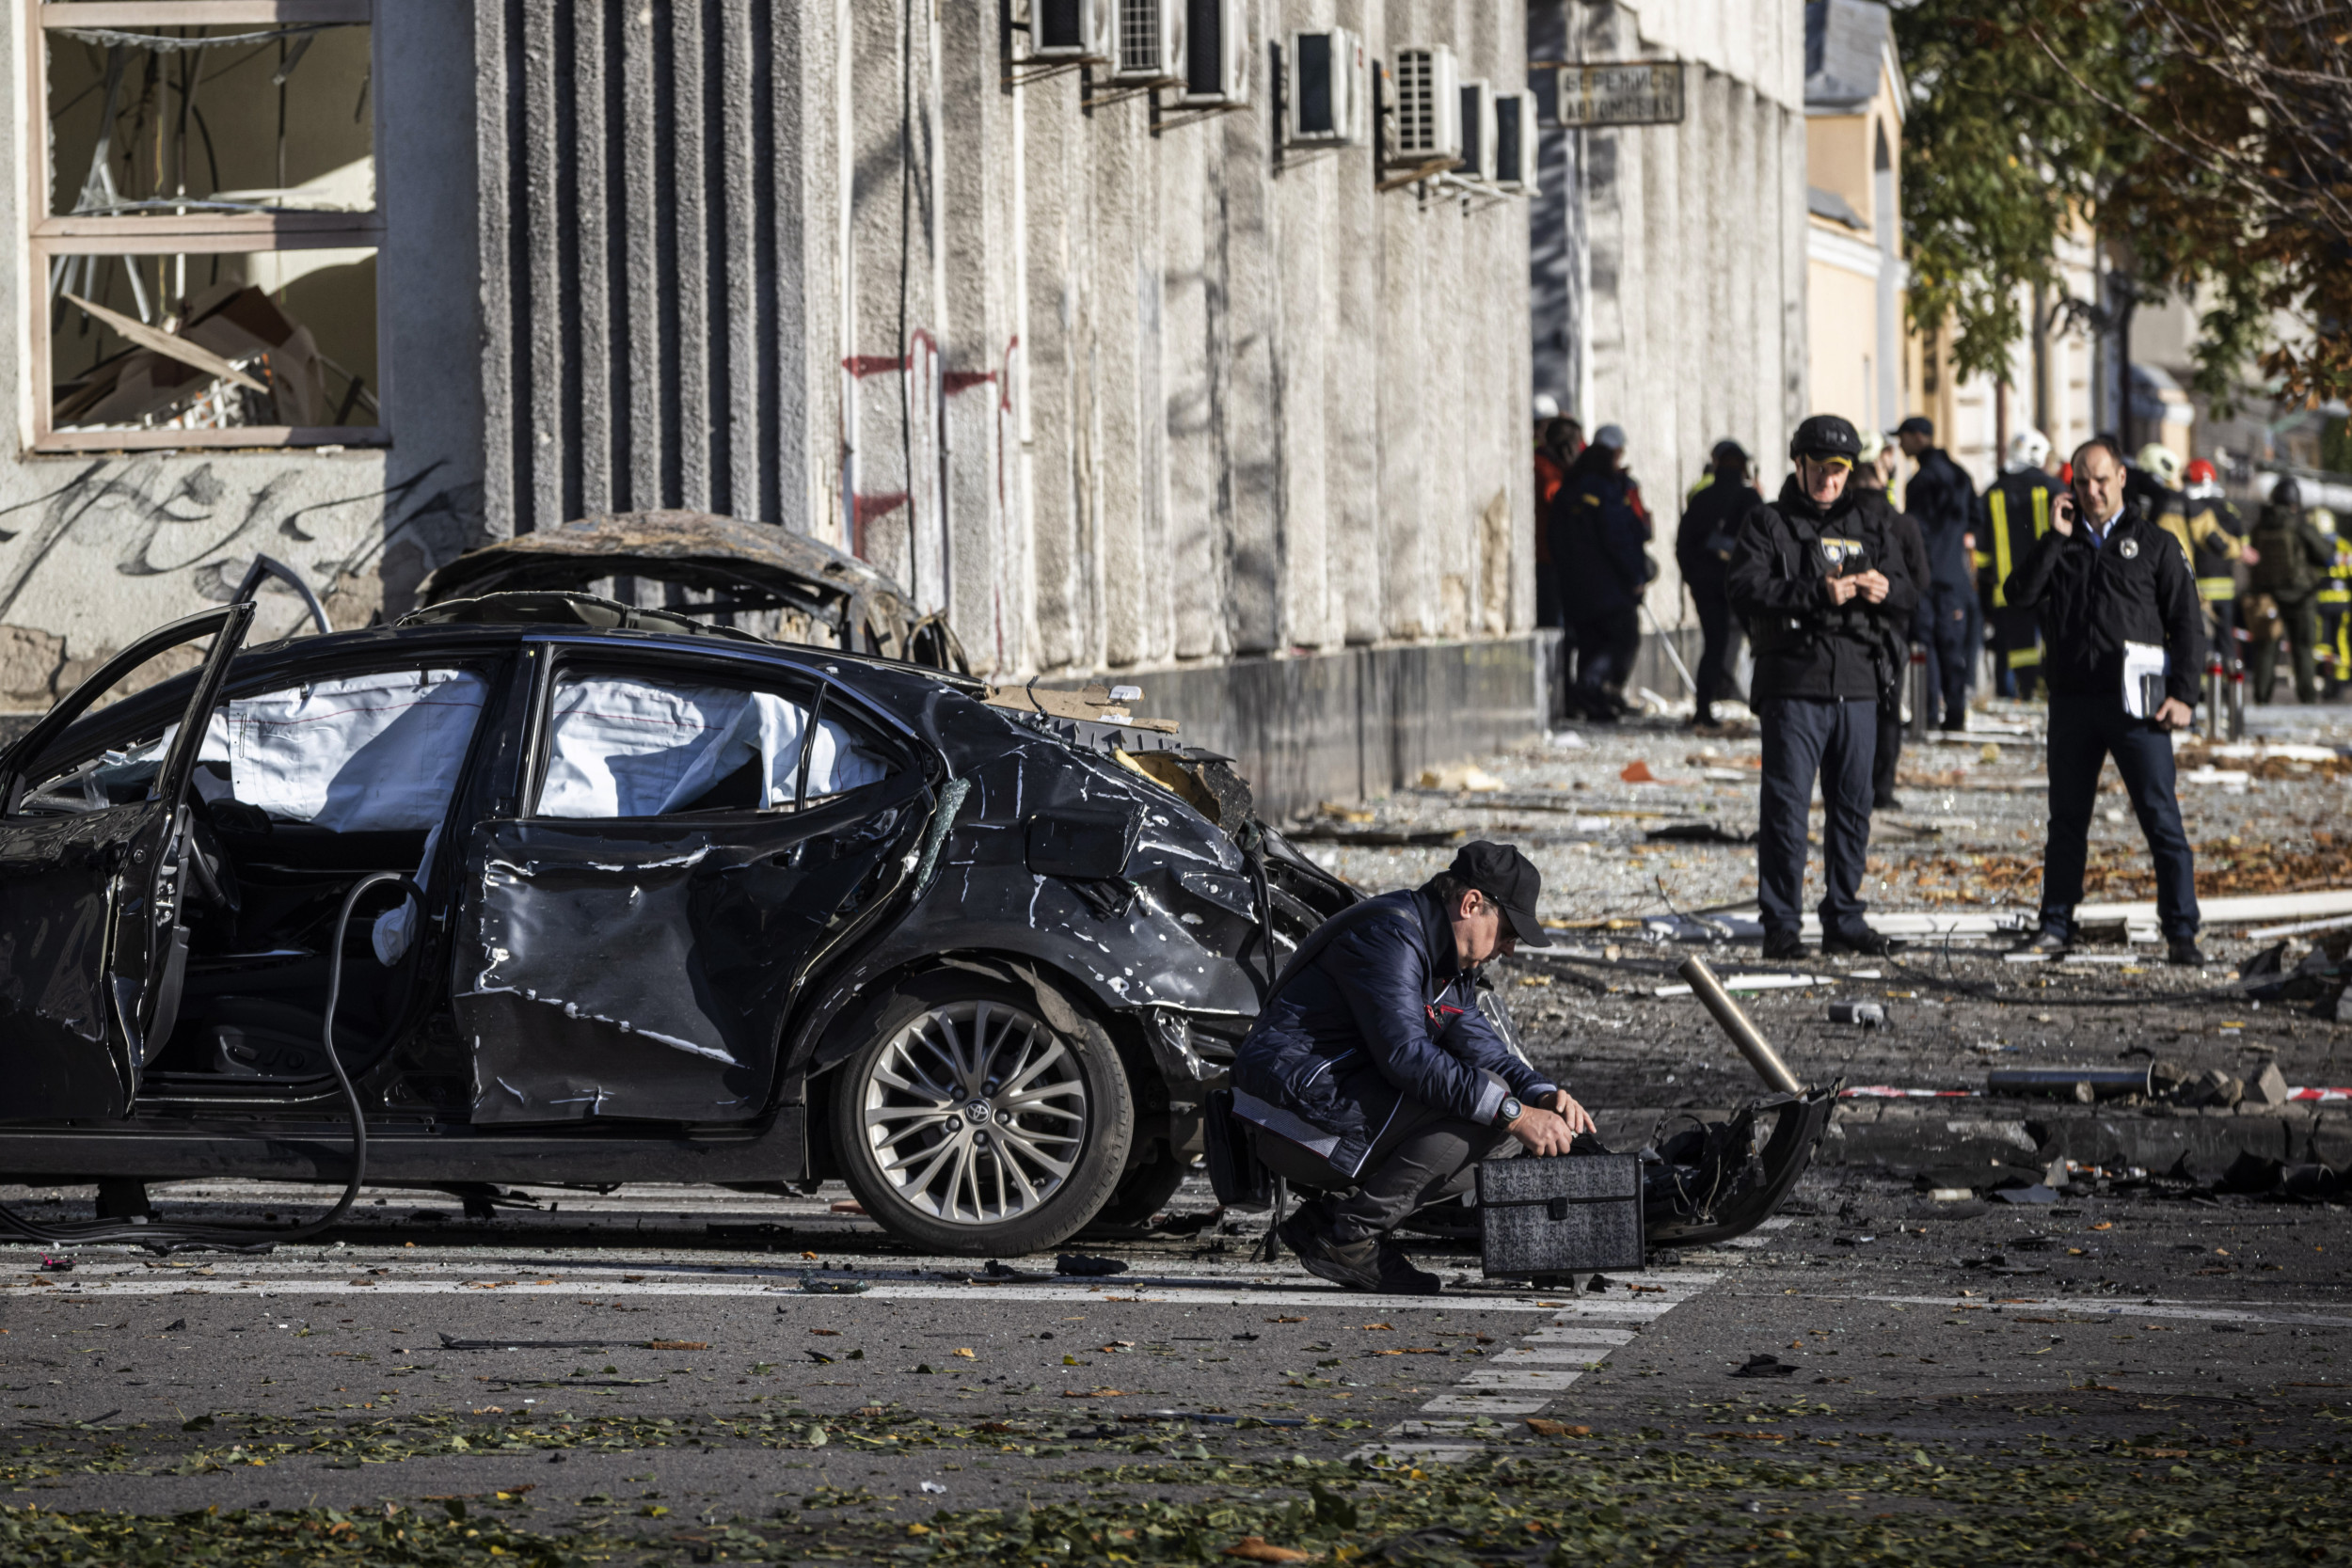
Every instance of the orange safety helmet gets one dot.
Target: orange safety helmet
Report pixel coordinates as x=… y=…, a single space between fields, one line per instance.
x=2201 y=472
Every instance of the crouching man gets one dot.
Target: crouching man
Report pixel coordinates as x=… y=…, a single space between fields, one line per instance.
x=1371 y=1080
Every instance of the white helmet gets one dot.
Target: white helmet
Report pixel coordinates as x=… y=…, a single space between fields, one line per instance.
x=1547 y=406
x=2162 y=463
x=2321 y=518
x=2028 y=448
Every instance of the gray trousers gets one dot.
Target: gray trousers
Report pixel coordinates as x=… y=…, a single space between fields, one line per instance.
x=1424 y=1156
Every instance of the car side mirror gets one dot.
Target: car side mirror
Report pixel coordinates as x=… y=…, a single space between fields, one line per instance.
x=1086 y=844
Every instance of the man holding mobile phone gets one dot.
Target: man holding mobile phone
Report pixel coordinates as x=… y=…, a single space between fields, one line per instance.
x=2117 y=598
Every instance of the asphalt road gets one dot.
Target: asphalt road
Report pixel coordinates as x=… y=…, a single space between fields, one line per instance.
x=743 y=1398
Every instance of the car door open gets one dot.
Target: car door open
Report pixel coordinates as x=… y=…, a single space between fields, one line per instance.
x=95 y=850
x=692 y=844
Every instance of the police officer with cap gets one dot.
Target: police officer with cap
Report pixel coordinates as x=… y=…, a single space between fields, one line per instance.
x=2120 y=629
x=1819 y=577
x=1371 y=1079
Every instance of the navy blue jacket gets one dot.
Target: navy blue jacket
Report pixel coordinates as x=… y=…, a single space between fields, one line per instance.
x=1598 y=559
x=1945 y=504
x=1358 y=1031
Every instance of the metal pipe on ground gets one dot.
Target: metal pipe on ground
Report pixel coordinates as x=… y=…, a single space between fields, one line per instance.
x=1742 y=1030
x=2084 y=1084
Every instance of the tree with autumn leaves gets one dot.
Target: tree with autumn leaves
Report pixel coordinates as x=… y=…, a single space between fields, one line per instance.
x=2208 y=144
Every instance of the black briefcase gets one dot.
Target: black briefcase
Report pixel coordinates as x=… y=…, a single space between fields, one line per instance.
x=1548 y=1218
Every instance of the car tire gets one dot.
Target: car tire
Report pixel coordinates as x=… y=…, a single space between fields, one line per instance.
x=967 y=1124
x=1143 y=1192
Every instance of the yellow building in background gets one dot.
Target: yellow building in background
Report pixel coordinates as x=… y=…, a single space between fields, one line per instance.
x=1859 y=360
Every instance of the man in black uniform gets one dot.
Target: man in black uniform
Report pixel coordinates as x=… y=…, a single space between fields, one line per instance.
x=1703 y=549
x=2291 y=560
x=1945 y=503
x=1869 y=477
x=1818 y=577
x=2116 y=600
x=2015 y=515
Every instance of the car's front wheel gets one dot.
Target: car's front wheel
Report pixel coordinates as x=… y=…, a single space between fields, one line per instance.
x=968 y=1124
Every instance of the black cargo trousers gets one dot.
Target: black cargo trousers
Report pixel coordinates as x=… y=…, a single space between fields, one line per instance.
x=1424 y=1156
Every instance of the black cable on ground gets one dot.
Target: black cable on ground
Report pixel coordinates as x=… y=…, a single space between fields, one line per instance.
x=182 y=1237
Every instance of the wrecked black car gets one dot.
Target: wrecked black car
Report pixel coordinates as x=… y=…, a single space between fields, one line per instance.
x=541 y=887
x=668 y=903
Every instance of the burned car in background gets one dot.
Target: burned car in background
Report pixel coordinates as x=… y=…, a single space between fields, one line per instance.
x=542 y=887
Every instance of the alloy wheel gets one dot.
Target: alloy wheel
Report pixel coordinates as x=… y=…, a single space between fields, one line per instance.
x=974 y=1113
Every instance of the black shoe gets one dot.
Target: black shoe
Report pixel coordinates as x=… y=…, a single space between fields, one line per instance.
x=1862 y=940
x=1887 y=802
x=2185 y=952
x=1783 y=947
x=2049 y=940
x=1354 y=1265
x=1398 y=1277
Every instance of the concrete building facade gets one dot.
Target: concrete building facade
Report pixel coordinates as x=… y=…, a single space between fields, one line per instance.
x=1669 y=262
x=1118 y=375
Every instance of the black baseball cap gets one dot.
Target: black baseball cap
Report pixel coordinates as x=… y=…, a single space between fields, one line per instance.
x=1826 y=435
x=1918 y=424
x=1508 y=878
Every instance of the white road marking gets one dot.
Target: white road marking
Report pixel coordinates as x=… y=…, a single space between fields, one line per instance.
x=1157 y=1296
x=2226 y=1312
x=1752 y=1240
x=1526 y=1379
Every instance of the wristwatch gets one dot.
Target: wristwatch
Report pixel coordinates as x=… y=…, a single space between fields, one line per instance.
x=1511 y=1109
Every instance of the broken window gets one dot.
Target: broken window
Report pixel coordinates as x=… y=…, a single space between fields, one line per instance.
x=624 y=746
x=209 y=235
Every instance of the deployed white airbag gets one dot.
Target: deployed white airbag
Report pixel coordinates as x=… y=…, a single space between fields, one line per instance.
x=631 y=747
x=361 y=753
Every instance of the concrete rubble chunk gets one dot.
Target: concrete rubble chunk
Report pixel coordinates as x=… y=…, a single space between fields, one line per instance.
x=2267 y=1088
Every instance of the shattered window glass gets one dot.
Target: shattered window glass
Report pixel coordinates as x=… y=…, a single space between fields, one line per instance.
x=210 y=241
x=621 y=746
x=247 y=350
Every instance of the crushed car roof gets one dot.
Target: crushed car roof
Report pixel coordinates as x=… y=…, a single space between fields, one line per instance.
x=754 y=565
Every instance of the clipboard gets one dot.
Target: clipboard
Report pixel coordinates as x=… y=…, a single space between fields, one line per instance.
x=2143 y=679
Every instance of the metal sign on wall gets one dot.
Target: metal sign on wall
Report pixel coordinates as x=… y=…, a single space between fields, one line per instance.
x=1621 y=92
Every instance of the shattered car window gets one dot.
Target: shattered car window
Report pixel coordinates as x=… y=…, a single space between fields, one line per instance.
x=378 y=753
x=118 y=776
x=620 y=746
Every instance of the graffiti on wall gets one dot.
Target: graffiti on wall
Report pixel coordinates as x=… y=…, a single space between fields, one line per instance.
x=120 y=544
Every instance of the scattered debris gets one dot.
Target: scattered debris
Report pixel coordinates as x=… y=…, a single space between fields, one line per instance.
x=1253 y=1548
x=1080 y=1264
x=811 y=1285
x=1460 y=777
x=1698 y=832
x=1870 y=1015
x=1767 y=1365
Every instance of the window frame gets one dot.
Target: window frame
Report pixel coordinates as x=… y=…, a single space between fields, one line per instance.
x=48 y=236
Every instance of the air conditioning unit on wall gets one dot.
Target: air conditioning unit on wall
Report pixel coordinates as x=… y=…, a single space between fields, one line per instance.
x=1516 y=144
x=1151 y=42
x=1428 y=107
x=1216 y=52
x=1074 y=30
x=1324 y=89
x=1478 y=130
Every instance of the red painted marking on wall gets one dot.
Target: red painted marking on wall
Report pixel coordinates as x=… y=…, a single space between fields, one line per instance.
x=964 y=381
